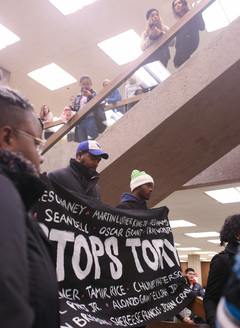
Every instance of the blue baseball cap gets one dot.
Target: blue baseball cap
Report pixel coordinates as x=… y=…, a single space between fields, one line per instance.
x=92 y=147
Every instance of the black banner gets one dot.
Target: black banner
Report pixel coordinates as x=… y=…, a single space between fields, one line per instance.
x=115 y=267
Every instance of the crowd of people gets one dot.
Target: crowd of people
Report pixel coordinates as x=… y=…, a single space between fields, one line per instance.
x=95 y=122
x=29 y=266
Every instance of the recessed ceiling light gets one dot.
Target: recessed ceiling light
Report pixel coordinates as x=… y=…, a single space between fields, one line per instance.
x=122 y=48
x=70 y=6
x=225 y=196
x=206 y=252
x=52 y=77
x=214 y=241
x=202 y=234
x=188 y=249
x=176 y=244
x=7 y=37
x=181 y=223
x=205 y=260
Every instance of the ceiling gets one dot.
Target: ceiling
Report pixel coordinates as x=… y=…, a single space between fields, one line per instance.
x=195 y=206
x=71 y=42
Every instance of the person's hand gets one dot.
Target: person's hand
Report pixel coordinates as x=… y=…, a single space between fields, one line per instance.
x=86 y=93
x=139 y=90
x=188 y=320
x=154 y=31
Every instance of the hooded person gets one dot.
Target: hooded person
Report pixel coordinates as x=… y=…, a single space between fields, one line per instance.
x=141 y=186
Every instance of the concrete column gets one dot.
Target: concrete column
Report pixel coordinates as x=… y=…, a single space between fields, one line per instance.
x=194 y=262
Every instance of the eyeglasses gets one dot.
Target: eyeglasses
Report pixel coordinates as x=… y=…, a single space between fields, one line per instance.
x=40 y=142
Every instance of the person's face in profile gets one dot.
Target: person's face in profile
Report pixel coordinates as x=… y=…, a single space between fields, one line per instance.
x=144 y=192
x=28 y=143
x=89 y=160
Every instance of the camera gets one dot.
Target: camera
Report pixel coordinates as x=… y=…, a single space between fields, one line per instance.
x=83 y=89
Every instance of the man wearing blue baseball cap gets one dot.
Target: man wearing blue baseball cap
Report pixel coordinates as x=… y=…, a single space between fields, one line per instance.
x=80 y=176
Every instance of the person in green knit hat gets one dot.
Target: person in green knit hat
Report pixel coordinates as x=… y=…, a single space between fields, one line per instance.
x=141 y=186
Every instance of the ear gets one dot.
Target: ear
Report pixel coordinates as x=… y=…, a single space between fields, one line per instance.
x=6 y=137
x=79 y=155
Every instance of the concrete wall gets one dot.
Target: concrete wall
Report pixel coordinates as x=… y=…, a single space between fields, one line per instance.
x=179 y=129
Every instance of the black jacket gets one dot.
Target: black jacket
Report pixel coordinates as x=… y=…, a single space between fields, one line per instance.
x=187 y=40
x=28 y=285
x=98 y=110
x=76 y=179
x=130 y=202
x=220 y=269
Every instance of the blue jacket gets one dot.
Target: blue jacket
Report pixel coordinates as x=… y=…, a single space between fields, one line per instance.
x=198 y=290
x=128 y=201
x=114 y=97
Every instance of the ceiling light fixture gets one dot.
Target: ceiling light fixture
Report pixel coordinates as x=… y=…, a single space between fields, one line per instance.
x=202 y=234
x=188 y=249
x=52 y=77
x=225 y=196
x=181 y=224
x=70 y=6
x=214 y=241
x=122 y=48
x=206 y=252
x=7 y=37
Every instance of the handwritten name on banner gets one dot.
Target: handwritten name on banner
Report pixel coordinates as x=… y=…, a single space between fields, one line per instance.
x=115 y=267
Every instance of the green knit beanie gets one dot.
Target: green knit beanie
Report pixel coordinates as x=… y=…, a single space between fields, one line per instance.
x=138 y=178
